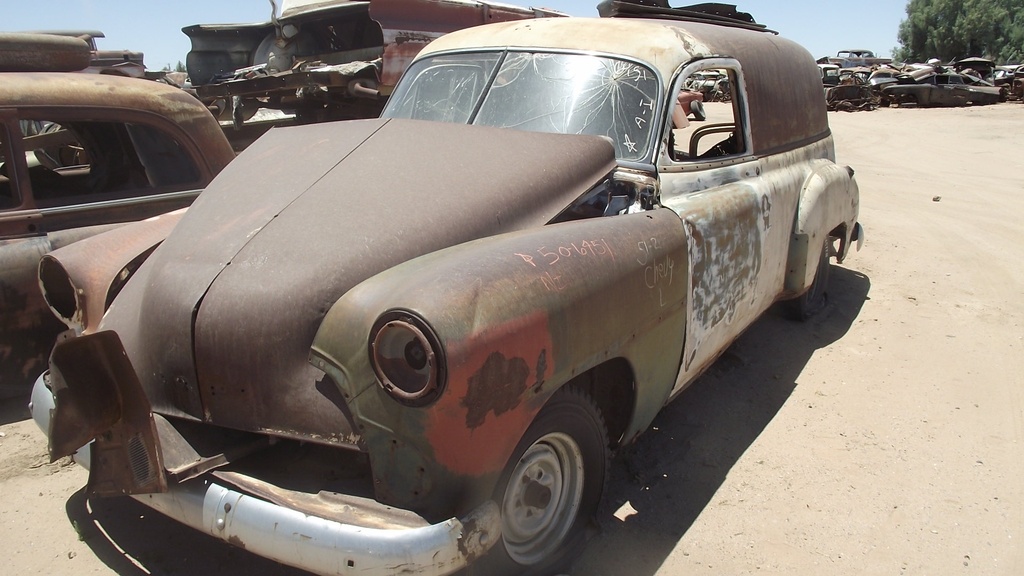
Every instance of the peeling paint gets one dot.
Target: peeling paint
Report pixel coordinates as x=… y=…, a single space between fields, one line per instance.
x=496 y=388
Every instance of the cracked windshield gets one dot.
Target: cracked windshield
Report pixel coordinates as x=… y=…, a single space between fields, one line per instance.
x=562 y=93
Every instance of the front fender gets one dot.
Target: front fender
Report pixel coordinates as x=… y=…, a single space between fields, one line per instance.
x=829 y=202
x=80 y=280
x=517 y=315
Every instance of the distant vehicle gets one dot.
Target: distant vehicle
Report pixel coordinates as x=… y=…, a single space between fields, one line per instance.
x=927 y=88
x=321 y=60
x=857 y=57
x=829 y=74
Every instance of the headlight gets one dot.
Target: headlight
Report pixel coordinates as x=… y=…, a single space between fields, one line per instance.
x=407 y=358
x=61 y=294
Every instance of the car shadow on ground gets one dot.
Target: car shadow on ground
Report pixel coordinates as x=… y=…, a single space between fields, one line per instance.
x=14 y=407
x=134 y=540
x=672 y=472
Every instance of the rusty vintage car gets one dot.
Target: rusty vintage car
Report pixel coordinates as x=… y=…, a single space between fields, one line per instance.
x=413 y=346
x=81 y=154
x=852 y=58
x=934 y=87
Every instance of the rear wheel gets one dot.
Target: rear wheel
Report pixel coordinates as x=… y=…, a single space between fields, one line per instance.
x=814 y=300
x=552 y=487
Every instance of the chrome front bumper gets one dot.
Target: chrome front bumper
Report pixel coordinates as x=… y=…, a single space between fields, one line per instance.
x=308 y=542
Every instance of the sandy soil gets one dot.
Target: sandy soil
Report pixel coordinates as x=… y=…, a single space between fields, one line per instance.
x=883 y=437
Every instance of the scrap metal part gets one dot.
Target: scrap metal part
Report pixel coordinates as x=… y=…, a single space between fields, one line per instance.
x=326 y=60
x=850 y=98
x=27 y=52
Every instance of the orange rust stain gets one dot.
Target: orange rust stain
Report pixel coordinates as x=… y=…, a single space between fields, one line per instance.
x=485 y=444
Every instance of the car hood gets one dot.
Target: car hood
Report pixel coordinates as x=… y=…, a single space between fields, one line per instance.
x=219 y=320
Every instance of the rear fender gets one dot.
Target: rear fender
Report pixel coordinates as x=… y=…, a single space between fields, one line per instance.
x=516 y=316
x=829 y=204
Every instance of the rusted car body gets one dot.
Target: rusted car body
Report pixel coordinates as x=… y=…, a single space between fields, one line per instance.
x=829 y=74
x=355 y=365
x=930 y=88
x=856 y=57
x=81 y=154
x=1002 y=76
x=118 y=62
x=849 y=98
x=325 y=60
x=63 y=51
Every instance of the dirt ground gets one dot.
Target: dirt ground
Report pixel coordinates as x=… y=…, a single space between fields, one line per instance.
x=883 y=437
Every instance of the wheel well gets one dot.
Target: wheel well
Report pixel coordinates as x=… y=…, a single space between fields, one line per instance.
x=840 y=233
x=613 y=388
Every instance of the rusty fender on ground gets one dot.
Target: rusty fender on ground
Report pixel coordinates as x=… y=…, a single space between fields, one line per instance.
x=516 y=316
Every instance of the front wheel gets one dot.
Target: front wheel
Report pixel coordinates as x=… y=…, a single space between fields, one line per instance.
x=551 y=487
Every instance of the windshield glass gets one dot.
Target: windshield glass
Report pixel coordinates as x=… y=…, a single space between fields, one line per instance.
x=539 y=92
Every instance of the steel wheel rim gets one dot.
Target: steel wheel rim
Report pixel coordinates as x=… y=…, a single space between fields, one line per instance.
x=542 y=498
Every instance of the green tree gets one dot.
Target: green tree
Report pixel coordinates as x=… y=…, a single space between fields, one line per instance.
x=954 y=29
x=180 y=67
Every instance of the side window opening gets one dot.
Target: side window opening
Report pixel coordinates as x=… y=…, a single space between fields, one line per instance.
x=164 y=160
x=706 y=122
x=86 y=161
x=6 y=184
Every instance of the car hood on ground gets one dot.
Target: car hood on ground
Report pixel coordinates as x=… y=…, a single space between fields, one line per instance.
x=219 y=320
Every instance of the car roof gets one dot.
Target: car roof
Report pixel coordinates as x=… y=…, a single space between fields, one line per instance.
x=78 y=90
x=663 y=44
x=783 y=82
x=111 y=97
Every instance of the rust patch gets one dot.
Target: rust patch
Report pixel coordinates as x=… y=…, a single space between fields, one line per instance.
x=698 y=266
x=497 y=387
x=469 y=550
x=236 y=541
x=476 y=424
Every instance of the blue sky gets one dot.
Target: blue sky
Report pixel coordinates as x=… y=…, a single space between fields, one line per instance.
x=821 y=26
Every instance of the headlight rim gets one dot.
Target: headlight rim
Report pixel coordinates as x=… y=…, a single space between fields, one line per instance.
x=421 y=329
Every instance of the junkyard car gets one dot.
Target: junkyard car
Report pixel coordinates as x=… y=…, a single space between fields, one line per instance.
x=829 y=74
x=414 y=349
x=325 y=59
x=854 y=58
x=80 y=154
x=927 y=87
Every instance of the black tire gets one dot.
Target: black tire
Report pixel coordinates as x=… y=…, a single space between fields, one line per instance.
x=815 y=299
x=697 y=109
x=560 y=464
